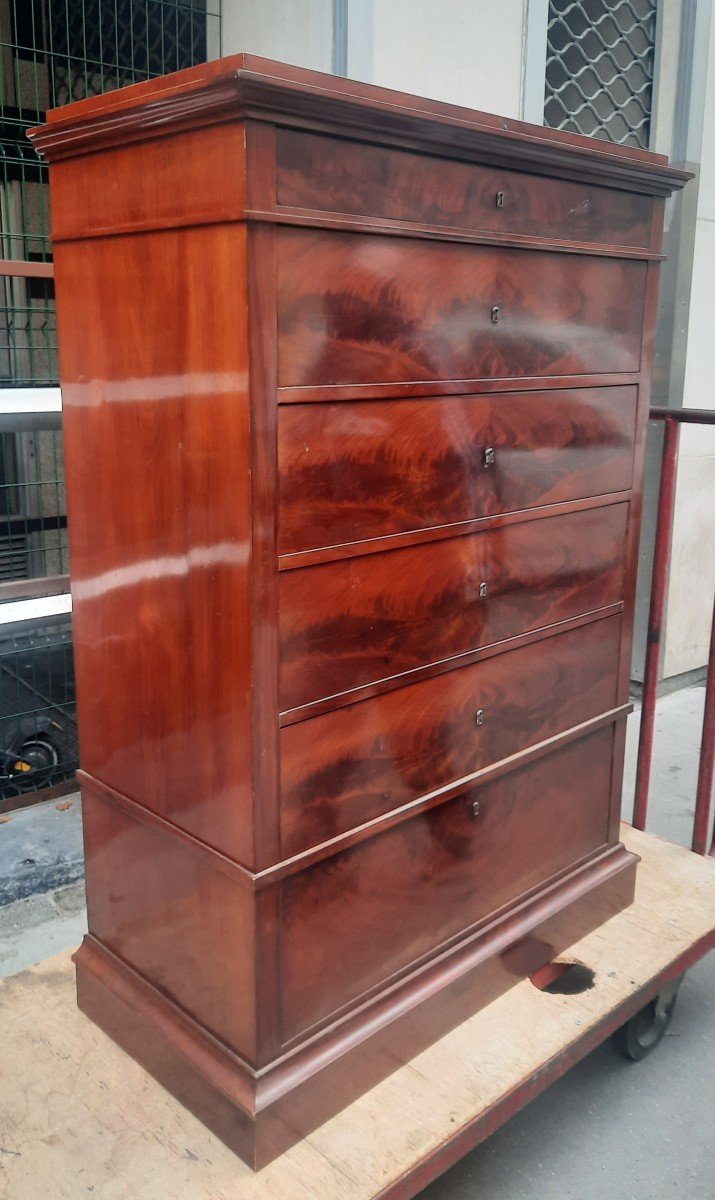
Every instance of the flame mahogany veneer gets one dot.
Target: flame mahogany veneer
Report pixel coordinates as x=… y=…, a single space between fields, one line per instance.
x=355 y=389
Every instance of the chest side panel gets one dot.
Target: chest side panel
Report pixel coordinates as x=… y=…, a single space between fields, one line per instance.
x=156 y=434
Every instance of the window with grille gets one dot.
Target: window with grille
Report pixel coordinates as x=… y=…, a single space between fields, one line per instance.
x=599 y=68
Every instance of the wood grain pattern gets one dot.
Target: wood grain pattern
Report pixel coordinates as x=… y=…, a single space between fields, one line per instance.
x=347 y=623
x=142 y=886
x=357 y=762
x=356 y=308
x=370 y=469
x=412 y=889
x=317 y=172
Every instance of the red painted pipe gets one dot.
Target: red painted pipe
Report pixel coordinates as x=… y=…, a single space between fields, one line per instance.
x=661 y=553
x=707 y=760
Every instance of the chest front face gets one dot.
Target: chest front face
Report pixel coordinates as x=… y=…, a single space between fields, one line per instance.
x=462 y=370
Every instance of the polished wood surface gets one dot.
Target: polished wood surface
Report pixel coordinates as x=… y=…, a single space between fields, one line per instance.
x=141 y=890
x=413 y=889
x=298 y=577
x=159 y=569
x=348 y=623
x=354 y=308
x=151 y=188
x=357 y=762
x=341 y=176
x=349 y=472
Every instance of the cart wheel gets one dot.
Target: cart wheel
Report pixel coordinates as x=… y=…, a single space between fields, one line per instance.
x=644 y=1032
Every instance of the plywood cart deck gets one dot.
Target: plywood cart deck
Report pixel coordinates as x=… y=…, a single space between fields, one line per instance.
x=78 y=1117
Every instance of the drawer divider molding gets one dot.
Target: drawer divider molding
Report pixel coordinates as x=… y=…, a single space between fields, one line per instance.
x=339 y=700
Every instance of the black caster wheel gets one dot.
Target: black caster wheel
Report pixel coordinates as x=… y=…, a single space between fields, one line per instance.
x=645 y=1030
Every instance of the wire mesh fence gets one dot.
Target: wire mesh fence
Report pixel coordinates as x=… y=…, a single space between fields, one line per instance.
x=33 y=521
x=53 y=52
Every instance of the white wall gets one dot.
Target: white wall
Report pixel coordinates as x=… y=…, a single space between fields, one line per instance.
x=467 y=52
x=293 y=31
x=692 y=569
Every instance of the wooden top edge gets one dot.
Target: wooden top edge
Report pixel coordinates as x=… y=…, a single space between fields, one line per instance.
x=243 y=85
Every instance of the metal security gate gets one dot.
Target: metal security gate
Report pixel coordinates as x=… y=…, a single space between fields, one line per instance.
x=51 y=53
x=599 y=68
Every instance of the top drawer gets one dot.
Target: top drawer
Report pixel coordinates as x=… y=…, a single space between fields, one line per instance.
x=360 y=308
x=335 y=175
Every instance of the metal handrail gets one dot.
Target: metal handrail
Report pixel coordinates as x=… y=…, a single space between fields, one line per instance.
x=672 y=419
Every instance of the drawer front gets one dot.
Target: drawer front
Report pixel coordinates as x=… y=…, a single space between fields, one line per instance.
x=353 y=921
x=364 y=309
x=352 y=764
x=348 y=623
x=368 y=469
x=335 y=175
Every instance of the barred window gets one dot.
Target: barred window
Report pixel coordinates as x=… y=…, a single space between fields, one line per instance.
x=599 y=68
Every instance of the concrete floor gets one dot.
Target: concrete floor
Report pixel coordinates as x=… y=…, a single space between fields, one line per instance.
x=609 y=1129
x=41 y=883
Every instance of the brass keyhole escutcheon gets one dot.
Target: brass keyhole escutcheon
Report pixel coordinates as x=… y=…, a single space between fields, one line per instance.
x=489 y=456
x=495 y=314
x=476 y=808
x=483 y=590
x=500 y=199
x=479 y=716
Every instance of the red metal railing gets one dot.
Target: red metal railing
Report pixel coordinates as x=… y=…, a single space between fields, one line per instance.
x=703 y=837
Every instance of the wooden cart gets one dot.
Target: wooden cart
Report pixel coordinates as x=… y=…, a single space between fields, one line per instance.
x=80 y=1118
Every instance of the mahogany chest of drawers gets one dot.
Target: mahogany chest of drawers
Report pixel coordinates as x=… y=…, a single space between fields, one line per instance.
x=355 y=389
